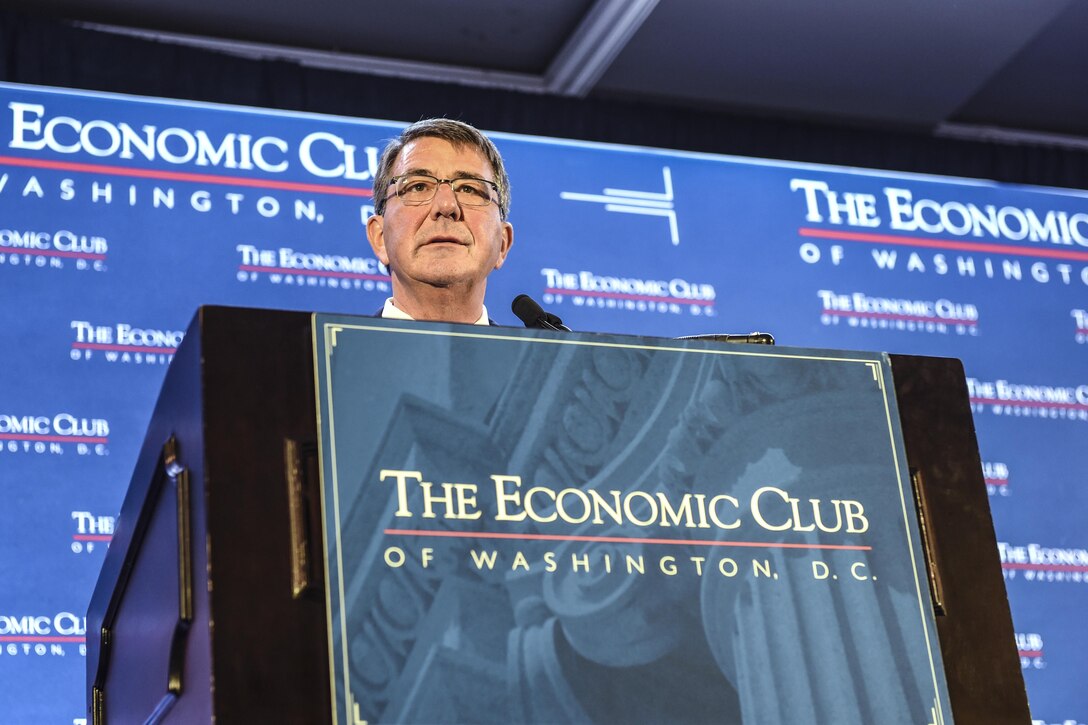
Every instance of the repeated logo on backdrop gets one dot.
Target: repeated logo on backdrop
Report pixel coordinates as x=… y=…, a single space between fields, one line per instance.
x=54 y=250
x=585 y=288
x=970 y=240
x=92 y=532
x=292 y=267
x=1029 y=645
x=1037 y=563
x=860 y=310
x=123 y=343
x=40 y=634
x=996 y=476
x=119 y=216
x=55 y=434
x=1028 y=400
x=1080 y=318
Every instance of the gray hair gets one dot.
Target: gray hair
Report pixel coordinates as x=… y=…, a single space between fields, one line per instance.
x=457 y=133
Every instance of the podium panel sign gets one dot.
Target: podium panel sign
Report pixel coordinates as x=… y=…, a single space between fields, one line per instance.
x=522 y=526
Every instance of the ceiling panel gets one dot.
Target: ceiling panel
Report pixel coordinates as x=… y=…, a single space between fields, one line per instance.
x=1044 y=87
x=908 y=63
x=504 y=35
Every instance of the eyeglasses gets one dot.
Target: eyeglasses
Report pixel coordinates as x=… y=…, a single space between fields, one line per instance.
x=418 y=189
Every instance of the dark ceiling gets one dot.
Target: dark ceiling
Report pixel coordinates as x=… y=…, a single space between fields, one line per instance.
x=972 y=68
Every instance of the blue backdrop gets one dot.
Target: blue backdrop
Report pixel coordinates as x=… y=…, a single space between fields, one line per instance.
x=118 y=216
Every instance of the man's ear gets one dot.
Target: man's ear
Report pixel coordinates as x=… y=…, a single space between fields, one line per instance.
x=375 y=234
x=507 y=242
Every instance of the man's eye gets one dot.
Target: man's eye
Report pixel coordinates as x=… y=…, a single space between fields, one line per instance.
x=417 y=185
x=472 y=188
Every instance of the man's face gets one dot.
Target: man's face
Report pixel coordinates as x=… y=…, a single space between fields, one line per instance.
x=440 y=244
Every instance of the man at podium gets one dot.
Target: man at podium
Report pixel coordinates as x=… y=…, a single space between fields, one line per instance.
x=441 y=198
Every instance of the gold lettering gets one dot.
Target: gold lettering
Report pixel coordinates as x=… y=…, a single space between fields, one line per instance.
x=714 y=511
x=484 y=558
x=758 y=515
x=667 y=511
x=394 y=557
x=466 y=499
x=668 y=565
x=430 y=499
x=502 y=498
x=797 y=515
x=599 y=503
x=650 y=501
x=855 y=512
x=402 y=488
x=819 y=519
x=532 y=511
x=561 y=508
x=701 y=498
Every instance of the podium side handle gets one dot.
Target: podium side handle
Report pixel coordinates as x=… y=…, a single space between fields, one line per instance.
x=929 y=545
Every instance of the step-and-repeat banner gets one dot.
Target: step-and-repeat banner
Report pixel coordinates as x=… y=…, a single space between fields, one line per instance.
x=119 y=216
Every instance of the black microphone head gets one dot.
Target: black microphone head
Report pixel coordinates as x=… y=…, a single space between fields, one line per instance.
x=527 y=310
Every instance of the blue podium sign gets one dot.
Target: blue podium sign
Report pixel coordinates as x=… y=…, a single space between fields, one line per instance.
x=522 y=526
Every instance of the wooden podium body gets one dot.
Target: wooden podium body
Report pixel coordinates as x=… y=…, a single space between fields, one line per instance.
x=211 y=601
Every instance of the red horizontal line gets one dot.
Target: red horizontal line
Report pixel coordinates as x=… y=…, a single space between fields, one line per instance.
x=1029 y=403
x=942 y=244
x=92 y=537
x=41 y=638
x=1082 y=329
x=890 y=316
x=617 y=539
x=1046 y=567
x=184 y=176
x=1030 y=653
x=123 y=348
x=997 y=481
x=51 y=438
x=625 y=296
x=313 y=272
x=54 y=253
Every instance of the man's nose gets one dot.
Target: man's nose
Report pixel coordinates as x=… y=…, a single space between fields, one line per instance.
x=445 y=201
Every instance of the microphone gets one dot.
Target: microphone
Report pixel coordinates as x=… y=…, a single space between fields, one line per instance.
x=533 y=315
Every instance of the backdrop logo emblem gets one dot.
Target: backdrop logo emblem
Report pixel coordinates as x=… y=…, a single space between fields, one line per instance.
x=996 y=476
x=41 y=434
x=861 y=310
x=589 y=289
x=287 y=266
x=628 y=201
x=42 y=635
x=1035 y=563
x=1080 y=318
x=123 y=343
x=92 y=531
x=1029 y=645
x=1028 y=400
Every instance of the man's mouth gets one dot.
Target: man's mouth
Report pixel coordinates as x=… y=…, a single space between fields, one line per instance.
x=444 y=240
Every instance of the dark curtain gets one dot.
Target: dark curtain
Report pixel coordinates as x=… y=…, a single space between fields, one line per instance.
x=57 y=53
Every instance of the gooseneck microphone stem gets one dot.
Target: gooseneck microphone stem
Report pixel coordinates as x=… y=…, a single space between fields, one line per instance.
x=751 y=338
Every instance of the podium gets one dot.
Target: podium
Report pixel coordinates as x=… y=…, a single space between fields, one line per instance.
x=338 y=519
